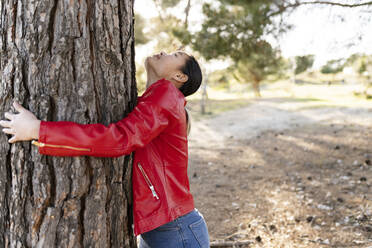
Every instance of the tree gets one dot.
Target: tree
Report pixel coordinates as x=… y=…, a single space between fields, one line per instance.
x=233 y=29
x=365 y=72
x=303 y=63
x=66 y=60
x=333 y=66
x=258 y=65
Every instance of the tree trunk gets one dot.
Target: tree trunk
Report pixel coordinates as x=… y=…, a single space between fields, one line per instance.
x=204 y=94
x=256 y=87
x=66 y=60
x=256 y=80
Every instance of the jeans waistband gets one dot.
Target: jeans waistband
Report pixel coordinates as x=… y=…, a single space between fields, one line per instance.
x=194 y=212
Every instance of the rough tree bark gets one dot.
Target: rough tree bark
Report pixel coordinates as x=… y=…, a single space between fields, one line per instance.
x=66 y=60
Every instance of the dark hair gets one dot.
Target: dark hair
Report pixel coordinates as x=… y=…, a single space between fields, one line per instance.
x=188 y=122
x=194 y=74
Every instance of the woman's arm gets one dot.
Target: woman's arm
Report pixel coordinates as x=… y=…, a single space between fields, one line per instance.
x=64 y=138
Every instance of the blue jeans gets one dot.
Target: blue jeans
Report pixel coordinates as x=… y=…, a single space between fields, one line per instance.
x=187 y=231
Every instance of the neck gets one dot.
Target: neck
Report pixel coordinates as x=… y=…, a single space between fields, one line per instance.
x=151 y=78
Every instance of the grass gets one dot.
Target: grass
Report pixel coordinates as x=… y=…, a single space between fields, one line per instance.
x=304 y=96
x=306 y=99
x=363 y=96
x=215 y=106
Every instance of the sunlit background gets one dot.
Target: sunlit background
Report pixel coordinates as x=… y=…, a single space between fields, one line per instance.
x=280 y=145
x=327 y=32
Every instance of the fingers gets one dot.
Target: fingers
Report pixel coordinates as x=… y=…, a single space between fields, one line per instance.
x=18 y=106
x=5 y=123
x=9 y=116
x=8 y=131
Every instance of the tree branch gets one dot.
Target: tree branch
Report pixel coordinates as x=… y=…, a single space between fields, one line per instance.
x=187 y=11
x=336 y=4
x=283 y=8
x=230 y=243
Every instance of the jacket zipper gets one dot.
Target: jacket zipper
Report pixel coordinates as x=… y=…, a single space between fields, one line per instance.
x=40 y=144
x=148 y=181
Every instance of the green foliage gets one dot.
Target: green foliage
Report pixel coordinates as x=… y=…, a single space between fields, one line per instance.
x=362 y=67
x=220 y=79
x=360 y=62
x=258 y=65
x=236 y=29
x=333 y=66
x=169 y=3
x=161 y=28
x=139 y=25
x=303 y=63
x=162 y=32
x=230 y=31
x=353 y=59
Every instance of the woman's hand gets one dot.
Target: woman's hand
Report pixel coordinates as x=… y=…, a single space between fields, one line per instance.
x=23 y=126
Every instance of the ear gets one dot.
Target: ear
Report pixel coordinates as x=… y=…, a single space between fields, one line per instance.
x=180 y=77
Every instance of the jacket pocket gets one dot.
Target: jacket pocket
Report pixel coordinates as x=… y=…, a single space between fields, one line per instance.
x=149 y=184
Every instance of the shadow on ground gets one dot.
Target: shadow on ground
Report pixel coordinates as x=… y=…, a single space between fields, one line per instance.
x=303 y=184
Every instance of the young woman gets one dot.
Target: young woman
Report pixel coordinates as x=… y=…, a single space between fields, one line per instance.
x=156 y=129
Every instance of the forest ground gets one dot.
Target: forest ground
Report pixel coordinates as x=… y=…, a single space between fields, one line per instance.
x=292 y=169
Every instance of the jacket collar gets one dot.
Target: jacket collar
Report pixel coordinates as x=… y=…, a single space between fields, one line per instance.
x=163 y=80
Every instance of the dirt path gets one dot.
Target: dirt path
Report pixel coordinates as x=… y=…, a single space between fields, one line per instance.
x=272 y=114
x=282 y=174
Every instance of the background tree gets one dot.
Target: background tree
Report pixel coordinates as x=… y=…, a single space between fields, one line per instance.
x=66 y=60
x=236 y=30
x=303 y=63
x=233 y=29
x=258 y=65
x=333 y=67
x=364 y=69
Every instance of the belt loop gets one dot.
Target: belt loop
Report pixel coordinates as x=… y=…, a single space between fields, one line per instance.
x=179 y=222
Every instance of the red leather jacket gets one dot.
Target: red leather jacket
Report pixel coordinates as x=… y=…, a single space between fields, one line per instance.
x=156 y=131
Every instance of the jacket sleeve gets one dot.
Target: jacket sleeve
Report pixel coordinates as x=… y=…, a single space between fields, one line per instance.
x=63 y=138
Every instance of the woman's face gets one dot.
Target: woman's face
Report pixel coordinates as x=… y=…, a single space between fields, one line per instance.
x=165 y=65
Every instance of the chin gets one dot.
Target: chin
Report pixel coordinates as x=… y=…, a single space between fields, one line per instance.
x=147 y=62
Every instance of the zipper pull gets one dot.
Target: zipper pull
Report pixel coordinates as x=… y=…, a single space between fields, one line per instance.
x=154 y=192
x=39 y=144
